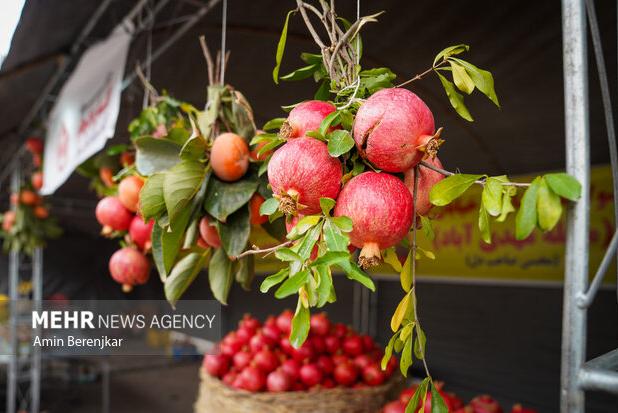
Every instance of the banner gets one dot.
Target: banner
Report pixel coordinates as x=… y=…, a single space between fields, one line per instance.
x=85 y=114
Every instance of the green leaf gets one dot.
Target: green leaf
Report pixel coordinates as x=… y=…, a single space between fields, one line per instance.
x=406 y=357
x=323 y=92
x=526 y=218
x=194 y=148
x=388 y=351
x=450 y=188
x=461 y=78
x=332 y=258
x=180 y=184
x=427 y=228
x=482 y=79
x=241 y=117
x=300 y=325
x=390 y=257
x=437 y=402
x=180 y=135
x=311 y=58
x=549 y=208
x=220 y=275
x=492 y=196
x=335 y=239
x=292 y=284
x=171 y=240
x=281 y=47
x=419 y=397
x=419 y=343
x=332 y=119
x=245 y=272
x=274 y=279
x=235 y=232
x=286 y=254
x=405 y=277
x=327 y=204
x=325 y=284
x=155 y=155
x=269 y=207
x=507 y=205
x=303 y=225
x=157 y=250
x=343 y=223
x=455 y=98
x=484 y=225
x=151 y=201
x=183 y=274
x=354 y=272
x=273 y=124
x=564 y=185
x=400 y=312
x=340 y=141
x=225 y=198
x=451 y=51
x=302 y=73
x=117 y=149
x=305 y=246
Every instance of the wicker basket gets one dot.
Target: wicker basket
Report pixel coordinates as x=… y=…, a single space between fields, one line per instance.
x=216 y=397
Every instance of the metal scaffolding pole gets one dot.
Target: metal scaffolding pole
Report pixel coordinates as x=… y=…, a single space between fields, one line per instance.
x=577 y=164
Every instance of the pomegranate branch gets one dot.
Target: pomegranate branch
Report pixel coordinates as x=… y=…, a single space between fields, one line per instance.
x=421 y=75
x=256 y=250
x=479 y=182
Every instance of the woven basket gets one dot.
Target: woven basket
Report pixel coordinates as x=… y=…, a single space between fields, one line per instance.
x=216 y=397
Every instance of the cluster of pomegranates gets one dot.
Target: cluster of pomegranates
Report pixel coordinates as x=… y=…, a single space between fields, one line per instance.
x=480 y=404
x=393 y=131
x=258 y=357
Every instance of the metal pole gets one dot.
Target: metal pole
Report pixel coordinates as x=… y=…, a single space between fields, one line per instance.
x=578 y=165
x=37 y=297
x=11 y=391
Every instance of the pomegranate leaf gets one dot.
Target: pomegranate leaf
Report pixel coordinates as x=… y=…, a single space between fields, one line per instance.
x=286 y=254
x=305 y=245
x=292 y=284
x=484 y=224
x=390 y=257
x=400 y=312
x=331 y=258
x=437 y=402
x=274 y=279
x=526 y=218
x=406 y=357
x=456 y=99
x=388 y=351
x=220 y=275
x=117 y=149
x=171 y=240
x=343 y=223
x=335 y=239
x=151 y=201
x=191 y=234
x=451 y=51
x=224 y=198
x=241 y=116
x=327 y=204
x=461 y=78
x=564 y=185
x=155 y=155
x=269 y=207
x=450 y=188
x=339 y=142
x=300 y=325
x=427 y=228
x=180 y=184
x=325 y=284
x=507 y=205
x=302 y=73
x=235 y=232
x=332 y=119
x=406 y=331
x=482 y=79
x=549 y=208
x=303 y=225
x=323 y=92
x=183 y=274
x=354 y=272
x=405 y=276
x=245 y=272
x=419 y=343
x=281 y=47
x=157 y=250
x=373 y=80
x=272 y=124
x=492 y=196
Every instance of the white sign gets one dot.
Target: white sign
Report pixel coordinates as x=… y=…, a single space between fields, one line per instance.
x=84 y=116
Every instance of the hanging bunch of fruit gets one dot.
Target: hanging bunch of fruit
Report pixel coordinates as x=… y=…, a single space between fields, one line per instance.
x=28 y=225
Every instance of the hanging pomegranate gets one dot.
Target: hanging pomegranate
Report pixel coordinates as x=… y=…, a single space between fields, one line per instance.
x=129 y=267
x=426 y=180
x=305 y=117
x=111 y=213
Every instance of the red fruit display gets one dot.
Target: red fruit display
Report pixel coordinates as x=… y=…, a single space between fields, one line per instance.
x=394 y=407
x=352 y=345
x=300 y=173
x=140 y=232
x=320 y=325
x=266 y=361
x=380 y=207
x=209 y=233
x=229 y=157
x=305 y=117
x=242 y=359
x=278 y=381
x=394 y=129
x=129 y=267
x=128 y=192
x=426 y=180
x=216 y=364
x=252 y=379
x=37 y=180
x=485 y=404
x=111 y=213
x=345 y=374
x=310 y=375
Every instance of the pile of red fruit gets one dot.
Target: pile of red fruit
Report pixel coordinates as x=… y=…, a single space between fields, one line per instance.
x=258 y=357
x=479 y=404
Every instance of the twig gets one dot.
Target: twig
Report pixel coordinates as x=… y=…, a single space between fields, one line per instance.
x=209 y=61
x=479 y=182
x=255 y=250
x=301 y=7
x=420 y=75
x=147 y=85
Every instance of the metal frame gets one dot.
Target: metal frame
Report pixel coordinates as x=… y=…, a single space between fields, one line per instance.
x=601 y=373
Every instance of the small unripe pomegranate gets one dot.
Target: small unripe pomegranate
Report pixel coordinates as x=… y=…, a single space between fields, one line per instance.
x=255 y=203
x=37 y=180
x=229 y=157
x=40 y=212
x=305 y=117
x=111 y=213
x=140 y=232
x=129 y=267
x=128 y=192
x=209 y=233
x=427 y=178
x=380 y=207
x=8 y=220
x=300 y=173
x=107 y=176
x=394 y=128
x=27 y=197
x=34 y=145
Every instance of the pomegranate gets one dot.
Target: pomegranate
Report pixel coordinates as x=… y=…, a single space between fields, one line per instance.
x=141 y=231
x=14 y=198
x=271 y=332
x=230 y=345
x=41 y=212
x=34 y=145
x=229 y=378
x=111 y=213
x=286 y=346
x=485 y=404
x=310 y=375
x=465 y=409
x=249 y=322
x=304 y=352
x=129 y=267
x=394 y=407
x=368 y=343
x=318 y=344
x=426 y=180
x=362 y=361
x=345 y=374
x=128 y=192
x=300 y=173
x=242 y=359
x=278 y=381
x=252 y=379
x=329 y=383
x=255 y=203
x=209 y=233
x=259 y=342
x=28 y=197
x=305 y=117
x=326 y=364
x=320 y=325
x=8 y=220
x=284 y=321
x=229 y=157
x=352 y=345
x=407 y=394
x=292 y=368
x=266 y=361
x=380 y=207
x=216 y=365
x=332 y=344
x=394 y=130
x=340 y=330
x=37 y=160
x=518 y=408
x=37 y=180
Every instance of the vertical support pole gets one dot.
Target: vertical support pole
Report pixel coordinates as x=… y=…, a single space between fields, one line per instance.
x=578 y=165
x=11 y=384
x=37 y=297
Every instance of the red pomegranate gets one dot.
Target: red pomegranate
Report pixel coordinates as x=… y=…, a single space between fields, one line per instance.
x=251 y=379
x=8 y=220
x=394 y=129
x=310 y=375
x=128 y=192
x=427 y=178
x=305 y=117
x=216 y=364
x=209 y=233
x=278 y=381
x=352 y=345
x=291 y=367
x=345 y=374
x=320 y=324
x=141 y=231
x=266 y=360
x=106 y=174
x=111 y=213
x=373 y=375
x=242 y=359
x=485 y=404
x=332 y=344
x=34 y=145
x=129 y=267
x=255 y=203
x=37 y=180
x=127 y=159
x=284 y=321
x=394 y=407
x=300 y=173
x=380 y=207
x=326 y=364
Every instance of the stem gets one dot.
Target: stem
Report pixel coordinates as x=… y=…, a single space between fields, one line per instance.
x=209 y=62
x=301 y=6
x=255 y=250
x=420 y=75
x=479 y=182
